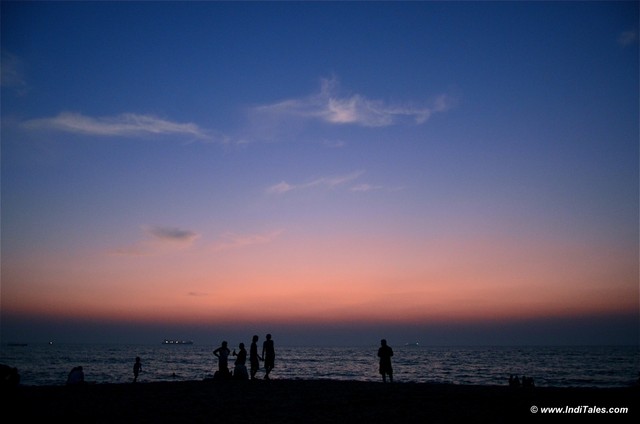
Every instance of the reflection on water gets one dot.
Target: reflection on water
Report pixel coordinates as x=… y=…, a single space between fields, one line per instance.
x=549 y=366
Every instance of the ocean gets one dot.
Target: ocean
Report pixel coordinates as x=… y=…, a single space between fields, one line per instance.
x=589 y=366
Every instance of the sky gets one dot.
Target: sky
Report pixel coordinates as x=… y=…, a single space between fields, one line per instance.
x=330 y=172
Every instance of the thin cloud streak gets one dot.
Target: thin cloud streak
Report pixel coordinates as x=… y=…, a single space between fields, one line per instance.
x=171 y=234
x=329 y=107
x=233 y=241
x=124 y=125
x=366 y=187
x=328 y=182
x=159 y=240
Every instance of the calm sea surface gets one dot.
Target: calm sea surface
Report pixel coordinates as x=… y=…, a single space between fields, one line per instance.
x=605 y=366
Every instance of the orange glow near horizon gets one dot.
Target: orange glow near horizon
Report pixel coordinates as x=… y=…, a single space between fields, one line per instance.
x=456 y=281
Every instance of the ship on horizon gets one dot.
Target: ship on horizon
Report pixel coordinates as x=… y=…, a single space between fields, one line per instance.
x=181 y=342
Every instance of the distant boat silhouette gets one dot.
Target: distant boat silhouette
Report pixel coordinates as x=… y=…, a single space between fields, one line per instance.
x=181 y=342
x=412 y=344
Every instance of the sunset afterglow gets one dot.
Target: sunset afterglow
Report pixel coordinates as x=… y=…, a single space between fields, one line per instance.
x=318 y=165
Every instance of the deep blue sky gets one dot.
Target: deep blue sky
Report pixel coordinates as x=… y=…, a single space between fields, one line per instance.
x=454 y=171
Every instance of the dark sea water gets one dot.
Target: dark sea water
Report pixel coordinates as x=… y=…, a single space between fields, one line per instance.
x=602 y=366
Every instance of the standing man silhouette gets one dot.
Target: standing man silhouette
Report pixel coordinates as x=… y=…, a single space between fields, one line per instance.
x=269 y=355
x=385 y=353
x=254 y=359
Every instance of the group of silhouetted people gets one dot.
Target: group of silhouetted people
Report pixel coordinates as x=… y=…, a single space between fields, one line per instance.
x=240 y=370
x=10 y=376
x=515 y=382
x=269 y=355
x=76 y=375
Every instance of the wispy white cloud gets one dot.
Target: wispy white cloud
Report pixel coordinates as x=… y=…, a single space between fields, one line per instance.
x=334 y=144
x=330 y=107
x=366 y=187
x=12 y=73
x=335 y=180
x=627 y=38
x=159 y=240
x=281 y=187
x=268 y=121
x=232 y=241
x=327 y=182
x=124 y=125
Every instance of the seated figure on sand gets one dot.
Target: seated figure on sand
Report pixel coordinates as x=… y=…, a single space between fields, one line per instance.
x=9 y=376
x=76 y=376
x=514 y=381
x=527 y=381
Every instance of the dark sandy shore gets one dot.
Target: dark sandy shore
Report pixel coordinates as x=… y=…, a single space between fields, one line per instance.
x=309 y=401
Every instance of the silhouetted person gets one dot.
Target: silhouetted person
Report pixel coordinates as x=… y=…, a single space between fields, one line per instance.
x=222 y=353
x=75 y=377
x=254 y=358
x=385 y=353
x=137 y=367
x=240 y=369
x=269 y=355
x=9 y=377
x=527 y=381
x=514 y=381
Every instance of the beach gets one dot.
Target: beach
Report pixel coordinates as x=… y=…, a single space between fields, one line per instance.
x=311 y=401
